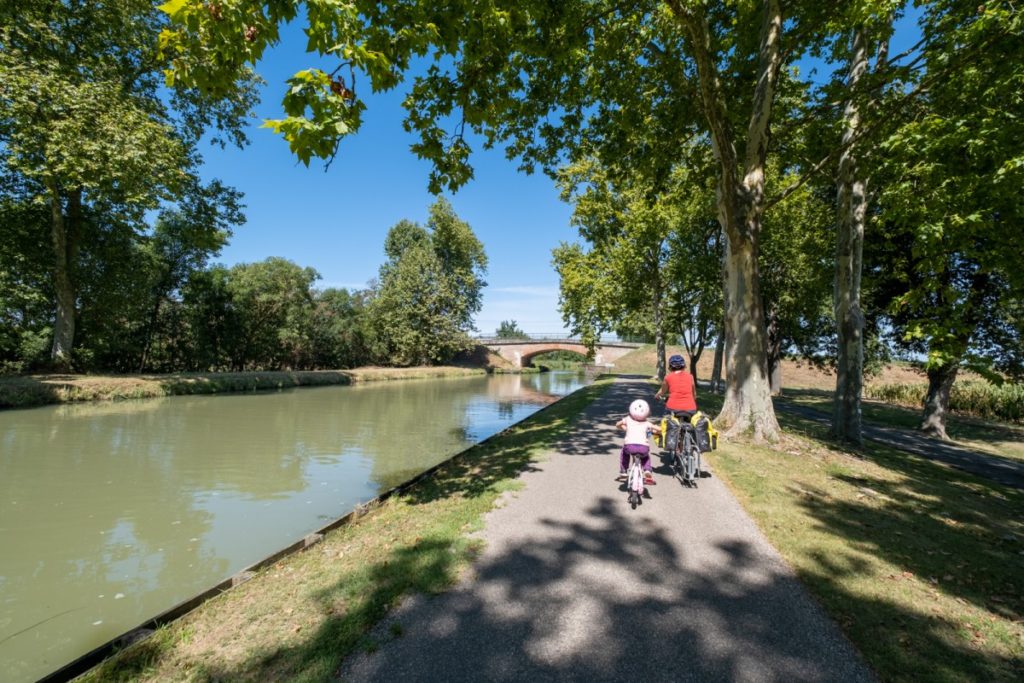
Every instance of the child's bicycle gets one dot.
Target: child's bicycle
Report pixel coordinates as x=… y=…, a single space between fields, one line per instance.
x=635 y=481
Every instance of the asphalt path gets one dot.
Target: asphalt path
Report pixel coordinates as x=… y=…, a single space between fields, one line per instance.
x=573 y=585
x=1001 y=470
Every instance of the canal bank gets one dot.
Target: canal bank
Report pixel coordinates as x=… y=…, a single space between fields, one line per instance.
x=26 y=391
x=161 y=489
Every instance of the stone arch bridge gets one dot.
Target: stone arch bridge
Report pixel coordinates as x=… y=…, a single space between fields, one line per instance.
x=519 y=352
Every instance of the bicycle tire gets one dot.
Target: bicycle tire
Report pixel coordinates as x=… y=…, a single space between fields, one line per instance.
x=685 y=454
x=677 y=466
x=694 y=470
x=635 y=484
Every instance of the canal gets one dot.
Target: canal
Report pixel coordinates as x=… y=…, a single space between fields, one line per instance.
x=112 y=513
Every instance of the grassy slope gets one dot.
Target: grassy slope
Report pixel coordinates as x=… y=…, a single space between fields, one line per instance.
x=297 y=620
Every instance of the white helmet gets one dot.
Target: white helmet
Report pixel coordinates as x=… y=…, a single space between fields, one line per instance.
x=639 y=410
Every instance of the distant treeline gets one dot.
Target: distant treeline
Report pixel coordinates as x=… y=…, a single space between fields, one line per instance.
x=152 y=303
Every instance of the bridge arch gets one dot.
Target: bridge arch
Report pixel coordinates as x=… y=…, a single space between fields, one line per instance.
x=519 y=351
x=527 y=358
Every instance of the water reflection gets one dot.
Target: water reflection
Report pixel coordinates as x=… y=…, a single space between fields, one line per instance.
x=111 y=513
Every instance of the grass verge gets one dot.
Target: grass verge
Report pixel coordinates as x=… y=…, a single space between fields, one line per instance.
x=33 y=390
x=298 y=619
x=920 y=564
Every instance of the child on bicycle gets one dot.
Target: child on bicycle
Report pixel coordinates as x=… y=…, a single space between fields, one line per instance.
x=638 y=430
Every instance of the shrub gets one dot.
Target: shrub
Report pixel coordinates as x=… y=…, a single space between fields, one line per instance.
x=979 y=399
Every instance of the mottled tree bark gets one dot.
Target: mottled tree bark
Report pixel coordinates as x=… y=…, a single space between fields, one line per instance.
x=952 y=346
x=851 y=198
x=748 y=403
x=695 y=359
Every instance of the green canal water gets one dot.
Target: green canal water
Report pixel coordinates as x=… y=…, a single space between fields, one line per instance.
x=111 y=513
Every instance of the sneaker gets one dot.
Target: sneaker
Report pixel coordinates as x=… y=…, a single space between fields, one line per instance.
x=649 y=479
x=622 y=476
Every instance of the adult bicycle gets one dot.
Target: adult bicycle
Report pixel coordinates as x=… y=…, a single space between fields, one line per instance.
x=686 y=460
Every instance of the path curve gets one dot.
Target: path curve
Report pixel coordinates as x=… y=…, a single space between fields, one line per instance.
x=1002 y=470
x=574 y=585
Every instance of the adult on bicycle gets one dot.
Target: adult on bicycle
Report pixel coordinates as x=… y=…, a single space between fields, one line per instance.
x=680 y=388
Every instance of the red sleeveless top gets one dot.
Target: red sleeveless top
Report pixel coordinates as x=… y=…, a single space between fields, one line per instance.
x=682 y=394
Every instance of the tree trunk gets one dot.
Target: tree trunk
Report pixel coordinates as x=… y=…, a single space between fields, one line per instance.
x=740 y=197
x=154 y=316
x=659 y=333
x=954 y=344
x=851 y=196
x=716 y=364
x=64 y=233
x=748 y=403
x=774 y=352
x=936 y=404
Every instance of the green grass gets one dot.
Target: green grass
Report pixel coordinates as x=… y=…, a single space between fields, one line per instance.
x=33 y=390
x=1004 y=440
x=920 y=564
x=297 y=620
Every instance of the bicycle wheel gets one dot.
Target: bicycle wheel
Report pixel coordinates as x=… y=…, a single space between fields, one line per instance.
x=684 y=458
x=677 y=465
x=691 y=465
x=635 y=484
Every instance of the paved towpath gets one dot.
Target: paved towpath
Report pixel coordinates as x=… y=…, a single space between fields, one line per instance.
x=575 y=586
x=1002 y=470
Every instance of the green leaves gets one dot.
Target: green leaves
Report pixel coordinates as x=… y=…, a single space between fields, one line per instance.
x=320 y=111
x=429 y=289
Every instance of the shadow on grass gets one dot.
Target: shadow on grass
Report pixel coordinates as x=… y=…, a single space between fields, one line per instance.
x=23 y=392
x=959 y=533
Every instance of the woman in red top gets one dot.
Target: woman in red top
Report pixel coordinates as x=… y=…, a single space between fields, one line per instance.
x=680 y=389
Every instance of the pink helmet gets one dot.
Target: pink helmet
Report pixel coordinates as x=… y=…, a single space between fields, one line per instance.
x=639 y=410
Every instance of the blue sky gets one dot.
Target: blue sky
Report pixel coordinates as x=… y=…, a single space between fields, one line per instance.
x=336 y=220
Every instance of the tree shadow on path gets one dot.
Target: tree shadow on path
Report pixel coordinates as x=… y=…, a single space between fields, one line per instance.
x=609 y=598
